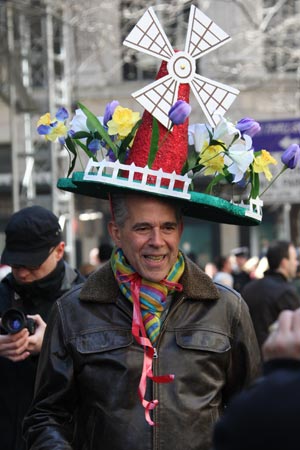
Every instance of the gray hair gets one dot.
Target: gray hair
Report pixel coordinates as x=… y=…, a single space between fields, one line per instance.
x=120 y=209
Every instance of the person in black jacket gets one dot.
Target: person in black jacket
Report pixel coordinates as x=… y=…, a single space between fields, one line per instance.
x=266 y=416
x=34 y=249
x=268 y=296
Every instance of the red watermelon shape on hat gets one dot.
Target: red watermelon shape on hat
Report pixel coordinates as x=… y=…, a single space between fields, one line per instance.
x=172 y=148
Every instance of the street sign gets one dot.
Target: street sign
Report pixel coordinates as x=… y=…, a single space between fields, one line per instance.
x=276 y=136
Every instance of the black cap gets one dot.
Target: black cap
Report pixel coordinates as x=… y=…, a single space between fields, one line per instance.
x=30 y=234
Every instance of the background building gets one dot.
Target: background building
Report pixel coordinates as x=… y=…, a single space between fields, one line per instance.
x=56 y=53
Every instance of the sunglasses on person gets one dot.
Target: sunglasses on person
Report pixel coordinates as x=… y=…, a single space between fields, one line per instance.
x=32 y=268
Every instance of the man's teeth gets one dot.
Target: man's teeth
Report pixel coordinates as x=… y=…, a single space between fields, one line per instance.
x=154 y=258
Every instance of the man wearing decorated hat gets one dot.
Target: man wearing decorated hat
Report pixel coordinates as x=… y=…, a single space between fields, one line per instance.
x=148 y=352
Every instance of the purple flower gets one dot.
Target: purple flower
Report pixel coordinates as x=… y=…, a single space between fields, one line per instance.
x=179 y=112
x=109 y=110
x=94 y=146
x=248 y=126
x=44 y=129
x=291 y=156
x=62 y=114
x=111 y=156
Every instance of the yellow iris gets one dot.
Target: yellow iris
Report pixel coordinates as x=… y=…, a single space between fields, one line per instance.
x=44 y=120
x=59 y=131
x=261 y=164
x=212 y=158
x=122 y=122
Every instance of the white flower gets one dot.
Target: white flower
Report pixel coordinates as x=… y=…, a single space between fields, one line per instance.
x=78 y=123
x=240 y=156
x=225 y=131
x=199 y=136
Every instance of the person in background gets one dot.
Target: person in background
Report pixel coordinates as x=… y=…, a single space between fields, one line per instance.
x=240 y=276
x=98 y=256
x=268 y=296
x=34 y=250
x=224 y=271
x=266 y=416
x=296 y=279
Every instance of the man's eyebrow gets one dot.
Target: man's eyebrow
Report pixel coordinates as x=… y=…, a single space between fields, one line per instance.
x=148 y=224
x=141 y=224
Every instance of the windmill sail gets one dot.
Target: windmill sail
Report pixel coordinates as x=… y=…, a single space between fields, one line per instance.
x=149 y=37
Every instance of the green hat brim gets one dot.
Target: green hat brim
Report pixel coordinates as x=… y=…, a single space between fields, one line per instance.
x=201 y=206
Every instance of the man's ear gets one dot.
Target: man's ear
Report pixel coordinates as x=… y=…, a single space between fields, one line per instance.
x=60 y=250
x=114 y=232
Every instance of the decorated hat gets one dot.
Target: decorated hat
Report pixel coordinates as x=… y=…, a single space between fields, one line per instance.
x=210 y=168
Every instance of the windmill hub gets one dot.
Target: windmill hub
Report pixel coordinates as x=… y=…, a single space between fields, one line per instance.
x=182 y=67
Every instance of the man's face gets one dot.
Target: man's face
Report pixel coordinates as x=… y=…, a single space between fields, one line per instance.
x=24 y=274
x=150 y=236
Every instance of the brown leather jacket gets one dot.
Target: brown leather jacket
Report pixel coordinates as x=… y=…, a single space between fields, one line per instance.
x=90 y=367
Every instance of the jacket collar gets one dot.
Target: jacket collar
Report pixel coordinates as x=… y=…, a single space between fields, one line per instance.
x=102 y=287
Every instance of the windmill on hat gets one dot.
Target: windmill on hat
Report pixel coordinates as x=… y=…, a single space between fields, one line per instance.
x=158 y=161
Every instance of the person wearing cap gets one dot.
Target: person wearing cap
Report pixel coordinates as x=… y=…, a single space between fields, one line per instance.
x=148 y=352
x=266 y=415
x=240 y=276
x=34 y=250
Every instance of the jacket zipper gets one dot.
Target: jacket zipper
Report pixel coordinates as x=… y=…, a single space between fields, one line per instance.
x=178 y=302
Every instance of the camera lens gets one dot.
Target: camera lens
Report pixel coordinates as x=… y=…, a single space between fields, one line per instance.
x=15 y=324
x=13 y=321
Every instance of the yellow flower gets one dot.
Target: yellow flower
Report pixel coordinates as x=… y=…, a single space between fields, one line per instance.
x=58 y=131
x=44 y=120
x=122 y=122
x=212 y=158
x=261 y=164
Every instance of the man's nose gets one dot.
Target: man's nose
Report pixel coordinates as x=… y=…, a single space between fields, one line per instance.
x=156 y=237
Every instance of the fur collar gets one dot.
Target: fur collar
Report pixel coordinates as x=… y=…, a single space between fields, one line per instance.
x=102 y=287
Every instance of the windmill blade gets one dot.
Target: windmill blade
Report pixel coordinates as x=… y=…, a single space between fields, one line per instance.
x=214 y=98
x=149 y=37
x=158 y=97
x=203 y=34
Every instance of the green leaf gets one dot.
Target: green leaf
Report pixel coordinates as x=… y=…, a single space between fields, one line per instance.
x=125 y=143
x=86 y=150
x=213 y=182
x=191 y=163
x=81 y=135
x=154 y=143
x=72 y=149
x=94 y=124
x=254 y=184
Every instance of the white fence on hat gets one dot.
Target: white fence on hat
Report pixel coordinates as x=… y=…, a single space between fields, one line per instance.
x=109 y=173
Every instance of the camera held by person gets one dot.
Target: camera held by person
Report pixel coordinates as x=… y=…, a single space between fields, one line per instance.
x=14 y=320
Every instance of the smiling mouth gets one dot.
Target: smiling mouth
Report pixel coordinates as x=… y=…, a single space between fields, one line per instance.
x=155 y=258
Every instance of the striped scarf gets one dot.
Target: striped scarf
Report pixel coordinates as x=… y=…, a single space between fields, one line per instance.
x=152 y=295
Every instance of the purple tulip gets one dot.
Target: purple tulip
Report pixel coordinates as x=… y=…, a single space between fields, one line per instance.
x=179 y=112
x=248 y=126
x=291 y=156
x=109 y=110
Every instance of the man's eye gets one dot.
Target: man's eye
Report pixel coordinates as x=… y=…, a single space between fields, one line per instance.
x=142 y=229
x=169 y=228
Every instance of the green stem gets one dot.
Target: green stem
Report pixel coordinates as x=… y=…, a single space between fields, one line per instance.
x=273 y=181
